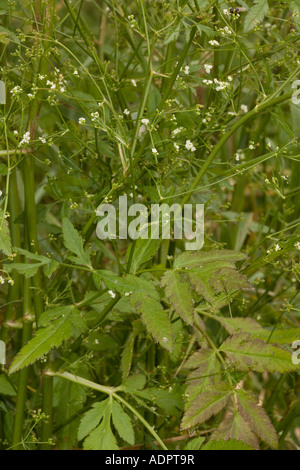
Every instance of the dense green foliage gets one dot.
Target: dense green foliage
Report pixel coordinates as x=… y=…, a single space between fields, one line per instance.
x=122 y=343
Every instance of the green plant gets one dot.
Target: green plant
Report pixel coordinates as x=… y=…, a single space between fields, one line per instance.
x=141 y=343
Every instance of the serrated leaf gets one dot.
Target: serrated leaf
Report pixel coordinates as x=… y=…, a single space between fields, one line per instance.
x=155 y=319
x=249 y=325
x=91 y=419
x=179 y=294
x=144 y=250
x=102 y=438
x=207 y=370
x=210 y=273
x=5 y=243
x=235 y=427
x=256 y=14
x=232 y=444
x=198 y=259
x=122 y=423
x=44 y=340
x=53 y=314
x=257 y=418
x=125 y=285
x=206 y=405
x=73 y=241
x=245 y=353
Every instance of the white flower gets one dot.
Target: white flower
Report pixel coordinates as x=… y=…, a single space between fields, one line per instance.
x=62 y=90
x=226 y=12
x=11 y=282
x=16 y=90
x=126 y=112
x=94 y=116
x=25 y=139
x=176 y=131
x=244 y=108
x=154 y=151
x=1 y=193
x=51 y=84
x=75 y=72
x=207 y=82
x=186 y=69
x=112 y=294
x=82 y=121
x=145 y=121
x=176 y=146
x=277 y=247
x=43 y=140
x=41 y=77
x=297 y=245
x=213 y=42
x=133 y=82
x=251 y=147
x=207 y=68
x=229 y=78
x=189 y=146
x=1 y=280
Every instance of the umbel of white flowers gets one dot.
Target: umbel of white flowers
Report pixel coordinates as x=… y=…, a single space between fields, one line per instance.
x=160 y=222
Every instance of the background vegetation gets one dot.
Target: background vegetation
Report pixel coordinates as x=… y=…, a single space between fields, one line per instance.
x=120 y=344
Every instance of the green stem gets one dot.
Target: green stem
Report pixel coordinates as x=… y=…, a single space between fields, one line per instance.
x=111 y=391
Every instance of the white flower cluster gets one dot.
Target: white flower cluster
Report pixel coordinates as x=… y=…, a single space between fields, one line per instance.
x=297 y=246
x=190 y=146
x=25 y=140
x=94 y=116
x=213 y=42
x=10 y=281
x=177 y=131
x=219 y=85
x=16 y=90
x=207 y=68
x=82 y=121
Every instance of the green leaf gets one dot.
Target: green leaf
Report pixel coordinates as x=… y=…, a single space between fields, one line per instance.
x=125 y=285
x=212 y=272
x=155 y=319
x=198 y=259
x=44 y=340
x=249 y=325
x=206 y=370
x=122 y=423
x=194 y=444
x=92 y=418
x=179 y=294
x=257 y=418
x=235 y=427
x=246 y=353
x=232 y=444
x=206 y=405
x=6 y=387
x=53 y=314
x=5 y=243
x=256 y=14
x=73 y=241
x=144 y=250
x=102 y=438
